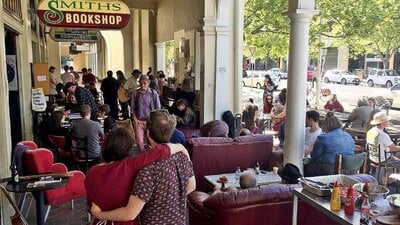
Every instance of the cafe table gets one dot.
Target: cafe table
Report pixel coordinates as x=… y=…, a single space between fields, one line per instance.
x=263 y=178
x=322 y=204
x=37 y=192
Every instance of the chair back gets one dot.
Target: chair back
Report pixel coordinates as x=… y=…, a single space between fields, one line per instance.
x=38 y=161
x=351 y=164
x=61 y=144
x=30 y=144
x=79 y=147
x=125 y=124
x=17 y=218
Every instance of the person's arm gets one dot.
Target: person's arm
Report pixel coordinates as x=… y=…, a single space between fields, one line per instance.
x=157 y=103
x=175 y=148
x=317 y=149
x=126 y=213
x=326 y=105
x=340 y=107
x=191 y=185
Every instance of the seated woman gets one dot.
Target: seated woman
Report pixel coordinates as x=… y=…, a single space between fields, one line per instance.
x=333 y=141
x=108 y=121
x=71 y=104
x=185 y=116
x=333 y=105
x=249 y=116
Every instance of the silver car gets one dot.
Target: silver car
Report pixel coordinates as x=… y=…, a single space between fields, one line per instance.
x=341 y=76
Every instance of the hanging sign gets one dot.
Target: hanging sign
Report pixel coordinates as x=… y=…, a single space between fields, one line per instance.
x=38 y=100
x=73 y=35
x=97 y=14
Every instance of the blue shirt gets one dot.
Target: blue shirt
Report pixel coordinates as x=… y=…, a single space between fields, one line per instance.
x=178 y=137
x=329 y=144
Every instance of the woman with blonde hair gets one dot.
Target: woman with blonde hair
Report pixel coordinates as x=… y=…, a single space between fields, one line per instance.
x=332 y=142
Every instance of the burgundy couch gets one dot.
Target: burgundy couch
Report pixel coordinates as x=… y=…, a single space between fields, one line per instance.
x=217 y=155
x=271 y=204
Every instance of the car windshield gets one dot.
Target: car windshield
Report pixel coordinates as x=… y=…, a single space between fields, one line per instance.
x=391 y=73
x=346 y=73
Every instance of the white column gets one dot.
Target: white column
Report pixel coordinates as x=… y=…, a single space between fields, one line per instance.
x=238 y=54
x=300 y=13
x=160 y=56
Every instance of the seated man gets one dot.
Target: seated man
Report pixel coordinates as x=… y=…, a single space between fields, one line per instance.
x=377 y=135
x=333 y=105
x=89 y=128
x=360 y=114
x=246 y=181
x=312 y=131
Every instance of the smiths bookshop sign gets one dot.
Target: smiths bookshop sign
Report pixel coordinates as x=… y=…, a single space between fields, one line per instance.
x=97 y=14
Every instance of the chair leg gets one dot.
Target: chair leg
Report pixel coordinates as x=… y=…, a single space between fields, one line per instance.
x=47 y=212
x=72 y=204
x=21 y=200
x=28 y=209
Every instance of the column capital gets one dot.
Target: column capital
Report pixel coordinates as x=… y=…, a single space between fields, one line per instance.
x=160 y=45
x=301 y=14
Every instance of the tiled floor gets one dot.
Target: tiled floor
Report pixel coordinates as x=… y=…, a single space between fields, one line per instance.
x=61 y=214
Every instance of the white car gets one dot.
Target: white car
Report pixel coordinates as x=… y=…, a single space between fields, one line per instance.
x=341 y=76
x=384 y=77
x=392 y=95
x=277 y=72
x=255 y=78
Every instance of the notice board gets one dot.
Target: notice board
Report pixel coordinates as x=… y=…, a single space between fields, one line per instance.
x=40 y=72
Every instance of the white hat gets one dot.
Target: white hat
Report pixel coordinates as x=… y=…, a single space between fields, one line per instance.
x=379 y=118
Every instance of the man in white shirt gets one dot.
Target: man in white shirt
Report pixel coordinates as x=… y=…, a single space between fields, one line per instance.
x=67 y=76
x=377 y=135
x=312 y=131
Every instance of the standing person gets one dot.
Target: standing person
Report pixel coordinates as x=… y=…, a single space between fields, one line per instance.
x=53 y=80
x=312 y=131
x=333 y=105
x=91 y=129
x=117 y=171
x=160 y=189
x=83 y=97
x=143 y=102
x=131 y=83
x=109 y=87
x=67 y=76
x=161 y=82
x=87 y=78
x=153 y=83
x=268 y=104
x=124 y=105
x=249 y=116
x=268 y=85
x=76 y=74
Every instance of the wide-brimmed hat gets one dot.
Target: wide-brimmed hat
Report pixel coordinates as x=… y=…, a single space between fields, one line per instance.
x=379 y=118
x=290 y=172
x=136 y=71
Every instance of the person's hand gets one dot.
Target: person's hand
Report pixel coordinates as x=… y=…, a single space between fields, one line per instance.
x=230 y=189
x=95 y=209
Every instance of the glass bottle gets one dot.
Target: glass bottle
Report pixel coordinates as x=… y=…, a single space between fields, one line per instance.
x=237 y=173
x=257 y=168
x=365 y=210
x=14 y=174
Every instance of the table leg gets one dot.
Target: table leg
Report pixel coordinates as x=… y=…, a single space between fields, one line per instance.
x=39 y=197
x=295 y=207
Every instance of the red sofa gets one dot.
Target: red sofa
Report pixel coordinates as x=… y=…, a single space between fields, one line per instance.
x=217 y=155
x=271 y=204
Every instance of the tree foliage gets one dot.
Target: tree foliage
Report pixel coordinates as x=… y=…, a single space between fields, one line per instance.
x=365 y=26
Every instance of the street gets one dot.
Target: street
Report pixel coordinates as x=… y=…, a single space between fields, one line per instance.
x=347 y=95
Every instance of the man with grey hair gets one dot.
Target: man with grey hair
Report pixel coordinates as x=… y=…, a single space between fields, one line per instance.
x=247 y=180
x=360 y=114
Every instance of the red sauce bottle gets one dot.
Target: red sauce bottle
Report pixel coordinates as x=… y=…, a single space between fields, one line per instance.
x=350 y=203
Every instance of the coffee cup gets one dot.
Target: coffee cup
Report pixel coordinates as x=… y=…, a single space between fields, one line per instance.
x=275 y=170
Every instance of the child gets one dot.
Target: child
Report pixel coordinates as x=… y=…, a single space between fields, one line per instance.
x=108 y=122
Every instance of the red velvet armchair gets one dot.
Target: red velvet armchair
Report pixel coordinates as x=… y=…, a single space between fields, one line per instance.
x=40 y=161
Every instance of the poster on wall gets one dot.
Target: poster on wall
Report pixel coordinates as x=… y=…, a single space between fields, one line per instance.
x=38 y=100
x=12 y=72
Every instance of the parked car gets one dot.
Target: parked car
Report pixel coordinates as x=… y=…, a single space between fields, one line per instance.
x=257 y=77
x=392 y=95
x=341 y=76
x=383 y=77
x=278 y=72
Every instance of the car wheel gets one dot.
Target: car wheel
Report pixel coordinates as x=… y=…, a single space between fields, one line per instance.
x=259 y=86
x=389 y=84
x=343 y=81
x=326 y=80
x=370 y=83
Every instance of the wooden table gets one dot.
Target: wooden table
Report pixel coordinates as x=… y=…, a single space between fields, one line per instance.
x=37 y=192
x=262 y=179
x=322 y=204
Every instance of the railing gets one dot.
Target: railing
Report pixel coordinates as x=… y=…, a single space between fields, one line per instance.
x=13 y=7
